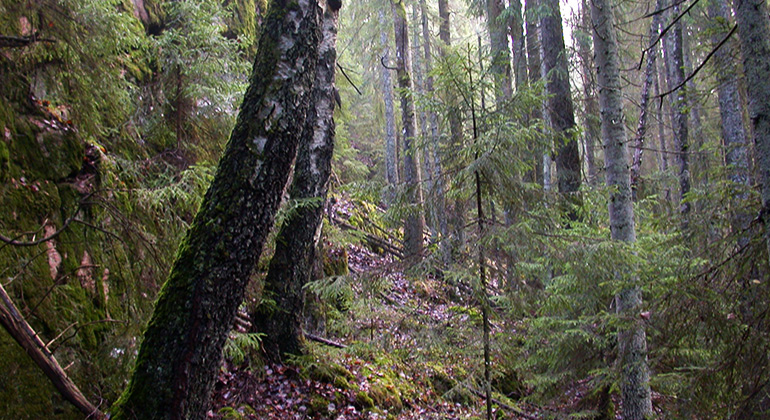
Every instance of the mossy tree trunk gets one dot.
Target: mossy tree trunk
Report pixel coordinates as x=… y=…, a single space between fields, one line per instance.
x=182 y=346
x=292 y=264
x=632 y=341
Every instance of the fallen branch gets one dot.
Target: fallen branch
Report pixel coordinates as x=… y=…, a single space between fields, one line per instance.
x=19 y=329
x=373 y=240
x=502 y=405
x=322 y=340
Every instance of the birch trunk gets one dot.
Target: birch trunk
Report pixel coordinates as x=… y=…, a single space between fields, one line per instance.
x=632 y=341
x=182 y=347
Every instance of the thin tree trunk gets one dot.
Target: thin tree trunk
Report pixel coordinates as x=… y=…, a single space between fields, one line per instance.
x=731 y=112
x=391 y=158
x=591 y=110
x=632 y=342
x=663 y=156
x=414 y=223
x=675 y=69
x=641 y=129
x=182 y=347
x=534 y=75
x=295 y=246
x=438 y=193
x=699 y=160
x=561 y=115
x=518 y=42
x=420 y=74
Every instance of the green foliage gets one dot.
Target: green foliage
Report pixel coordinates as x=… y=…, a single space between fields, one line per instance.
x=240 y=346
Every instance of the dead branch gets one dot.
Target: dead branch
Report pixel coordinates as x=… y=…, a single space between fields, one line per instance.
x=322 y=340
x=19 y=329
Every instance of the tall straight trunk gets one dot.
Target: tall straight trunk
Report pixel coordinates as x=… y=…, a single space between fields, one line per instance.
x=420 y=74
x=675 y=69
x=438 y=195
x=731 y=112
x=455 y=125
x=292 y=264
x=591 y=105
x=663 y=153
x=699 y=160
x=414 y=222
x=500 y=65
x=561 y=115
x=391 y=156
x=641 y=128
x=534 y=75
x=519 y=45
x=754 y=32
x=182 y=347
x=632 y=341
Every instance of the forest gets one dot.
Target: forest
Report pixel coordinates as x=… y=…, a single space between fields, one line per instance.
x=384 y=209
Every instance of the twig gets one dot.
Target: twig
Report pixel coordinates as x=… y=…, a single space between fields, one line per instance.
x=322 y=340
x=349 y=80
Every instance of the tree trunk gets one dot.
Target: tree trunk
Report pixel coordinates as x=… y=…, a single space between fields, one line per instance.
x=534 y=75
x=632 y=342
x=663 y=155
x=591 y=117
x=295 y=246
x=414 y=223
x=391 y=158
x=641 y=128
x=675 y=69
x=731 y=112
x=500 y=66
x=699 y=160
x=182 y=347
x=516 y=28
x=438 y=195
x=561 y=115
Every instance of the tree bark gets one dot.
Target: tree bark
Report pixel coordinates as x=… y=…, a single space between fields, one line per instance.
x=731 y=112
x=675 y=69
x=632 y=342
x=500 y=66
x=295 y=246
x=561 y=115
x=534 y=75
x=641 y=128
x=182 y=347
x=414 y=223
x=591 y=117
x=754 y=32
x=516 y=28
x=391 y=158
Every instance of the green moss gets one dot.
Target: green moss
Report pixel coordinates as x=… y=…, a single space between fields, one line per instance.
x=335 y=261
x=363 y=400
x=44 y=154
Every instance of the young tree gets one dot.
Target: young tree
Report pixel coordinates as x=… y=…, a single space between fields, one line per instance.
x=182 y=347
x=292 y=264
x=414 y=223
x=632 y=342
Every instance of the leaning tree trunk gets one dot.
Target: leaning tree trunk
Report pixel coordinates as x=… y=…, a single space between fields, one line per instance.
x=675 y=69
x=561 y=115
x=391 y=157
x=414 y=222
x=754 y=32
x=632 y=342
x=182 y=347
x=292 y=264
x=731 y=112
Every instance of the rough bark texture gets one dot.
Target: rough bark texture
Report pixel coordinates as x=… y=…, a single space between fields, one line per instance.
x=500 y=66
x=591 y=104
x=561 y=115
x=754 y=32
x=391 y=157
x=675 y=69
x=632 y=342
x=292 y=264
x=414 y=223
x=731 y=113
x=649 y=73
x=182 y=347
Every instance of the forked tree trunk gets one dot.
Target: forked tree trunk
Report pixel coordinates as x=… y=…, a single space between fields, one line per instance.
x=561 y=115
x=632 y=342
x=292 y=264
x=182 y=347
x=414 y=222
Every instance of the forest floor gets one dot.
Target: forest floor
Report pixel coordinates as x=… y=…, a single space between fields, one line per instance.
x=407 y=347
